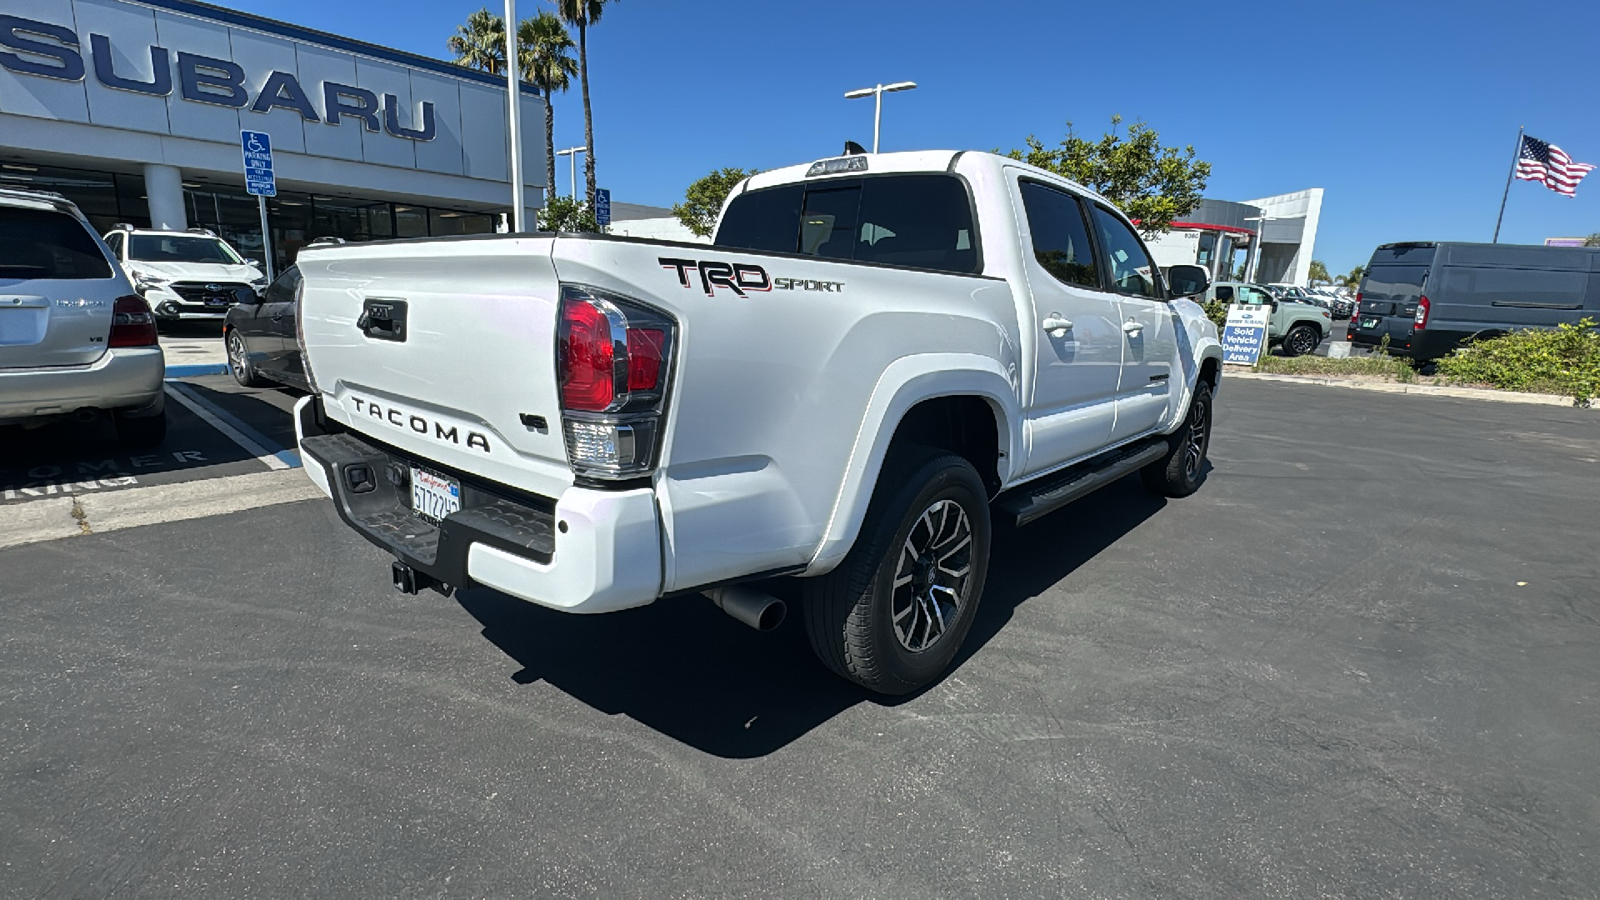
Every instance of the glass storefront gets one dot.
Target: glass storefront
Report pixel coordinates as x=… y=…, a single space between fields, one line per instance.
x=295 y=219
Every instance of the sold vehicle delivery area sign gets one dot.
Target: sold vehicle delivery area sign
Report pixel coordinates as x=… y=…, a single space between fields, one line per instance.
x=1245 y=334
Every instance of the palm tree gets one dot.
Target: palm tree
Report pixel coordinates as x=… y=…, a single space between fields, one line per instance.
x=584 y=13
x=481 y=42
x=1319 y=272
x=545 y=49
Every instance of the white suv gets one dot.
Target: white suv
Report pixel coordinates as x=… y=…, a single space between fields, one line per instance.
x=185 y=274
x=75 y=340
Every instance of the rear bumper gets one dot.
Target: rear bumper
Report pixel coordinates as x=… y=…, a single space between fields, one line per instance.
x=1430 y=344
x=586 y=551
x=123 y=378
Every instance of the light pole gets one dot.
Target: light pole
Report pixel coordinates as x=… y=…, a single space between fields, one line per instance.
x=572 y=165
x=877 y=92
x=514 y=119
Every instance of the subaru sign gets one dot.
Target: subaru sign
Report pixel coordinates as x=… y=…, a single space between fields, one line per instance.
x=258 y=177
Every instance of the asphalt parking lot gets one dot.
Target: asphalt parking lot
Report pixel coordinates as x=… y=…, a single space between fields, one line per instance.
x=1361 y=662
x=215 y=428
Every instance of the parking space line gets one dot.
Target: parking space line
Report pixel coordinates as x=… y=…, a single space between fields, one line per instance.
x=254 y=442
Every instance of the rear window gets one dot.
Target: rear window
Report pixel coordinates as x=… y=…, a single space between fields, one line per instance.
x=39 y=243
x=917 y=221
x=1394 y=284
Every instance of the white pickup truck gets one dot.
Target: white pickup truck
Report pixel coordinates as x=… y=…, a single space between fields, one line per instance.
x=877 y=355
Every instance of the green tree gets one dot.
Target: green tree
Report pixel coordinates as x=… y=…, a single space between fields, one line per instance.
x=546 y=51
x=1354 y=278
x=1319 y=272
x=1592 y=240
x=565 y=214
x=1152 y=184
x=583 y=14
x=702 y=202
x=480 y=42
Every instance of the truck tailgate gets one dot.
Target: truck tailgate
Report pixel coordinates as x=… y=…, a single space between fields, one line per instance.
x=444 y=349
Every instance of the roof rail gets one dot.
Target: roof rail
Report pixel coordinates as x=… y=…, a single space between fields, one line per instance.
x=326 y=239
x=205 y=231
x=34 y=192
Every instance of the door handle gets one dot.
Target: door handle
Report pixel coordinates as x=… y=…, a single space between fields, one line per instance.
x=1132 y=327
x=1057 y=326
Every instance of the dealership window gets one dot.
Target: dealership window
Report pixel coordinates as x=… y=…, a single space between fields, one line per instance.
x=296 y=219
x=1207 y=249
x=451 y=221
x=410 y=221
x=95 y=193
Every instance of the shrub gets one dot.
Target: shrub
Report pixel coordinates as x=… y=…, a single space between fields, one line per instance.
x=1380 y=365
x=1565 y=361
x=1216 y=311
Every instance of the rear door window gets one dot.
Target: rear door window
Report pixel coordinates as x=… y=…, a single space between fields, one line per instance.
x=917 y=221
x=1060 y=237
x=44 y=244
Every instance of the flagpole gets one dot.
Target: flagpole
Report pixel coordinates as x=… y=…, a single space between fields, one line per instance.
x=1515 y=155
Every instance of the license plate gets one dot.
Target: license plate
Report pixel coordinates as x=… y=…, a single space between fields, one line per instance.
x=1369 y=323
x=434 y=496
x=216 y=301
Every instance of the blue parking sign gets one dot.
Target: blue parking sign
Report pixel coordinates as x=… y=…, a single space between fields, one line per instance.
x=256 y=146
x=602 y=206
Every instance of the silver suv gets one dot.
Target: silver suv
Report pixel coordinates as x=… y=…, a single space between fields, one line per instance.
x=75 y=339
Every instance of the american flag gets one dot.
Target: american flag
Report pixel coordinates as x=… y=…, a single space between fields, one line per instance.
x=1541 y=161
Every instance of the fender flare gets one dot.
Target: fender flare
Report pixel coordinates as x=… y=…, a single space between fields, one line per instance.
x=908 y=381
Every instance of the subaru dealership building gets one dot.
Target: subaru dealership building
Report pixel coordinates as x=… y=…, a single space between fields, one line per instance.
x=132 y=109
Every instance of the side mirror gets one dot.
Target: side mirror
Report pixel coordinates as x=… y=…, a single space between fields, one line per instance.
x=1187 y=280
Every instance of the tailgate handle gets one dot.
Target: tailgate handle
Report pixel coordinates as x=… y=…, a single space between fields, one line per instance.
x=383 y=320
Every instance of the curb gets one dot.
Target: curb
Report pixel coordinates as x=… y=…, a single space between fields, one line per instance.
x=1426 y=390
x=192 y=370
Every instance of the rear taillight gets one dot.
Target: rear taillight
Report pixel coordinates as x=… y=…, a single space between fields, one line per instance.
x=132 y=323
x=300 y=336
x=613 y=362
x=1420 y=321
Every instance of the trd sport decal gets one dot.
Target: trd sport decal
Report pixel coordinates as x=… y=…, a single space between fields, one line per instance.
x=740 y=277
x=737 y=278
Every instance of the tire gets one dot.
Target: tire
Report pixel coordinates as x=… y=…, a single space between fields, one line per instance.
x=239 y=363
x=1180 y=472
x=146 y=431
x=850 y=612
x=1301 y=340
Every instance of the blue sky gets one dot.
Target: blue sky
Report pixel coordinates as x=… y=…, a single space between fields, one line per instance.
x=1405 y=112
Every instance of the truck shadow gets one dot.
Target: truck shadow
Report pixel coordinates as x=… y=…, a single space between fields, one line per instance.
x=687 y=670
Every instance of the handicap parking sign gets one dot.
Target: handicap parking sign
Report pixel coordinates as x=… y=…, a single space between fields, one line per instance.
x=256 y=146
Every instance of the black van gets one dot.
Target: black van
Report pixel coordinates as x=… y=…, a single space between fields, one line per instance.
x=1430 y=297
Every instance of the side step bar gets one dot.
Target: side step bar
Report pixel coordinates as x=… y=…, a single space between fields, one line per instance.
x=1029 y=502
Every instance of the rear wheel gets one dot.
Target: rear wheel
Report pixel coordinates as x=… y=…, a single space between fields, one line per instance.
x=146 y=431
x=1301 y=340
x=894 y=613
x=239 y=363
x=1179 y=473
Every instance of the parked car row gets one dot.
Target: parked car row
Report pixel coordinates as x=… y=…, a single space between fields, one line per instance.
x=1295 y=326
